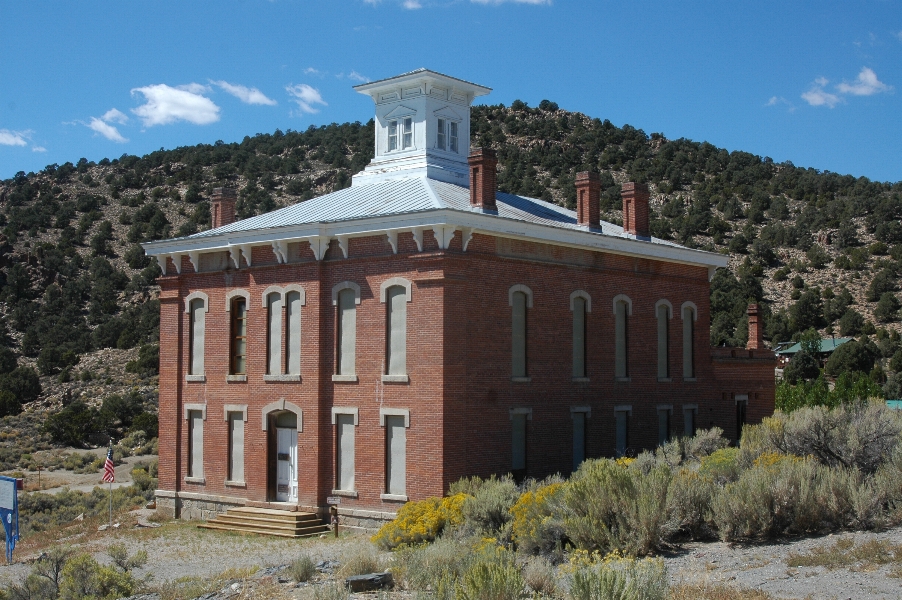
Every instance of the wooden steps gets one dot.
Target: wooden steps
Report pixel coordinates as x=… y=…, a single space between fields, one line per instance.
x=266 y=521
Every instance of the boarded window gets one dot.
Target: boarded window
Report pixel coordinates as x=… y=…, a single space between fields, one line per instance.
x=579 y=337
x=344 y=462
x=395 y=455
x=621 y=340
x=239 y=336
x=197 y=312
x=663 y=425
x=274 y=333
x=195 y=444
x=347 y=332
x=396 y=334
x=579 y=438
x=663 y=342
x=621 y=436
x=518 y=423
x=293 y=332
x=689 y=421
x=688 y=342
x=236 y=446
x=519 y=335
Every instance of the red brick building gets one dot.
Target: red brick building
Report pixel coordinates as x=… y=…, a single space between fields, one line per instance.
x=382 y=341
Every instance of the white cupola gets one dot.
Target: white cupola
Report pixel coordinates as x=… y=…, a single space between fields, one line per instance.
x=422 y=127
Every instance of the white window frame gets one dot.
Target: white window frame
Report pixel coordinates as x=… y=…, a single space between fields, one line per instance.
x=392 y=144
x=406 y=133
x=453 y=136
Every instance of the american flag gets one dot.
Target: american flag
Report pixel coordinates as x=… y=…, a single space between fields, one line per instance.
x=109 y=474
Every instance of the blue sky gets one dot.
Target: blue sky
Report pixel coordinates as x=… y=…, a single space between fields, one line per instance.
x=817 y=83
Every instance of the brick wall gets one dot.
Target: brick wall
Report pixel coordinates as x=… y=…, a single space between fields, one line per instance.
x=459 y=362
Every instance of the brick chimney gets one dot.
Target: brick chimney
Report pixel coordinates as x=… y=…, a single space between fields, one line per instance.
x=483 y=164
x=222 y=206
x=756 y=329
x=588 y=194
x=635 y=208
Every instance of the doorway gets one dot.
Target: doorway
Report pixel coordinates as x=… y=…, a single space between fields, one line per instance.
x=285 y=443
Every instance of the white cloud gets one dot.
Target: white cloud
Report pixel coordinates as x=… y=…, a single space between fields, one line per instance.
x=358 y=77
x=166 y=104
x=13 y=138
x=412 y=4
x=106 y=130
x=305 y=97
x=38 y=149
x=867 y=84
x=534 y=2
x=781 y=101
x=245 y=94
x=115 y=116
x=899 y=35
x=312 y=71
x=817 y=96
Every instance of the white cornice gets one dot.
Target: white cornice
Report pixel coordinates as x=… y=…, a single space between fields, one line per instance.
x=443 y=219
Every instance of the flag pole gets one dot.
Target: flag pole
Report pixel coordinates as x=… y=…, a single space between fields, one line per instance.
x=111 y=505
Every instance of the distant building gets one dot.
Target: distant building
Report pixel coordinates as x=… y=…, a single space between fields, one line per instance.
x=380 y=342
x=826 y=348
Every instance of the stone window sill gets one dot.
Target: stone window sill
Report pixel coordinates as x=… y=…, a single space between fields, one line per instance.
x=395 y=379
x=689 y=379
x=345 y=378
x=393 y=497
x=236 y=378
x=623 y=379
x=580 y=380
x=345 y=493
x=197 y=480
x=196 y=378
x=665 y=379
x=281 y=378
x=236 y=484
x=521 y=379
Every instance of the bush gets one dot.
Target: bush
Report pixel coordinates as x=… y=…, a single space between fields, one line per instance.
x=851 y=323
x=802 y=367
x=422 y=521
x=23 y=383
x=360 y=559
x=536 y=526
x=688 y=504
x=887 y=308
x=488 y=509
x=432 y=566
x=539 y=574
x=621 y=579
x=148 y=362
x=493 y=575
x=7 y=360
x=721 y=466
x=73 y=425
x=83 y=578
x=302 y=569
x=893 y=387
x=608 y=506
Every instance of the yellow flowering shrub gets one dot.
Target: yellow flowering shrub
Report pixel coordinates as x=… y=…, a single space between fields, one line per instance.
x=770 y=459
x=534 y=525
x=419 y=522
x=625 y=461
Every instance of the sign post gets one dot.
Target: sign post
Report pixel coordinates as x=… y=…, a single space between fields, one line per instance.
x=333 y=502
x=9 y=512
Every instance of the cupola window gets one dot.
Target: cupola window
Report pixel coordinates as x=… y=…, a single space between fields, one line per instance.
x=453 y=136
x=407 y=141
x=440 y=135
x=392 y=135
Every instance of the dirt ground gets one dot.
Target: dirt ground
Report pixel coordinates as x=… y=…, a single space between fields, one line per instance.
x=181 y=550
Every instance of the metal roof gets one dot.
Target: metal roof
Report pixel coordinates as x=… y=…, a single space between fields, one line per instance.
x=827 y=345
x=412 y=195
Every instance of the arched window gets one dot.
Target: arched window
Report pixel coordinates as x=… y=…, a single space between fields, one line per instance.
x=196 y=307
x=238 y=353
x=294 y=299
x=690 y=314
x=520 y=299
x=347 y=332
x=396 y=330
x=663 y=312
x=274 y=333
x=623 y=307
x=580 y=305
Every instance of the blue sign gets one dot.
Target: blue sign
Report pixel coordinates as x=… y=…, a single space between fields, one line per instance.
x=9 y=512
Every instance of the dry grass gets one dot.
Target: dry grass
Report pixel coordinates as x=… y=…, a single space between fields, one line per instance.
x=844 y=553
x=715 y=592
x=184 y=588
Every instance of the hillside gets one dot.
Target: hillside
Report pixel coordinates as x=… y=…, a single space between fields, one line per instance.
x=77 y=294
